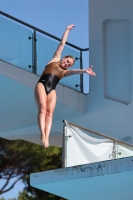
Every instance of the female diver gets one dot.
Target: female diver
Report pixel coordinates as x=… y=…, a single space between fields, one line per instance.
x=45 y=94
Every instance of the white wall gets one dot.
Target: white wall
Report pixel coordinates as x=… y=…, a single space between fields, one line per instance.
x=110 y=114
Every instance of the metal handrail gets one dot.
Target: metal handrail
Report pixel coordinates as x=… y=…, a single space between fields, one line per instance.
x=115 y=141
x=97 y=133
x=41 y=31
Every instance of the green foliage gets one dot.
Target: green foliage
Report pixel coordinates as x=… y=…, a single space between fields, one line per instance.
x=25 y=196
x=20 y=158
x=40 y=196
x=2 y=198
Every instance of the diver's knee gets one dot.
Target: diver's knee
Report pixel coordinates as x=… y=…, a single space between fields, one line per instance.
x=49 y=113
x=42 y=110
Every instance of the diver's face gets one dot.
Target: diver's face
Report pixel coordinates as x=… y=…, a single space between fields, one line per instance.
x=66 y=63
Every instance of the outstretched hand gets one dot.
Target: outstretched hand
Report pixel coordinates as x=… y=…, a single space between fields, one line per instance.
x=90 y=72
x=70 y=26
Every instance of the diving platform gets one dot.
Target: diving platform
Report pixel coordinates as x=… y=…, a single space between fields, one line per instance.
x=107 y=180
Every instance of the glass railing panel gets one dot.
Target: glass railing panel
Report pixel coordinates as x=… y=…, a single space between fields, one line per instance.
x=71 y=81
x=123 y=150
x=45 y=51
x=15 y=46
x=83 y=146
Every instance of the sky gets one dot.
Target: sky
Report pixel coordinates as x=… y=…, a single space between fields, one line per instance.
x=53 y=16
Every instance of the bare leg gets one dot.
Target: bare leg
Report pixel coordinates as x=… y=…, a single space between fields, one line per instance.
x=50 y=106
x=41 y=98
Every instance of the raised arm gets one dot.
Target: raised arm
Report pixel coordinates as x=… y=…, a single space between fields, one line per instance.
x=57 y=54
x=80 y=71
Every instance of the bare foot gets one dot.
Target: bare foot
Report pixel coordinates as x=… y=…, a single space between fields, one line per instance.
x=43 y=141
x=47 y=141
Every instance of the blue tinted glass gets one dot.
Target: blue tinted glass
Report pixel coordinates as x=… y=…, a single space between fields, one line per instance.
x=15 y=46
x=71 y=81
x=45 y=52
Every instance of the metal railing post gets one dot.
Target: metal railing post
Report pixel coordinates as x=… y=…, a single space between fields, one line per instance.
x=34 y=54
x=64 y=145
x=81 y=75
x=114 y=149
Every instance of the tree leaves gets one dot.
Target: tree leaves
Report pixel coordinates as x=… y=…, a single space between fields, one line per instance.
x=19 y=158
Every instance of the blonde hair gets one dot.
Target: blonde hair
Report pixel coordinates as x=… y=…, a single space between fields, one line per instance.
x=69 y=56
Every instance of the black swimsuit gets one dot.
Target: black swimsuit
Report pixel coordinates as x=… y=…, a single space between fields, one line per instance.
x=51 y=76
